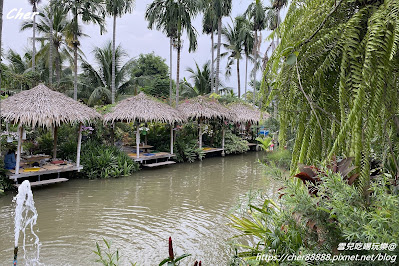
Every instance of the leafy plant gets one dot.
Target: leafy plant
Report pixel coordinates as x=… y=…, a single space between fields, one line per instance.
x=108 y=257
x=265 y=142
x=173 y=260
x=234 y=144
x=103 y=161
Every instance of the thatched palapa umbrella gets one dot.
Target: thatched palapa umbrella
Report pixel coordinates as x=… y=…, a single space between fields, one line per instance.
x=244 y=112
x=144 y=108
x=43 y=107
x=201 y=108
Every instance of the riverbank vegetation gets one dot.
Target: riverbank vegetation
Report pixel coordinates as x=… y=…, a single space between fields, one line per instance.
x=328 y=76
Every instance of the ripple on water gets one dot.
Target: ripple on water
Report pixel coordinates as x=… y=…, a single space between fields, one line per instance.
x=137 y=214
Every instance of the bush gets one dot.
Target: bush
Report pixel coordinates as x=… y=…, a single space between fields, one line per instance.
x=280 y=158
x=5 y=182
x=234 y=144
x=104 y=161
x=308 y=223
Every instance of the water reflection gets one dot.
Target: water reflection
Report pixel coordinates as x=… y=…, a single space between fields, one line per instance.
x=186 y=201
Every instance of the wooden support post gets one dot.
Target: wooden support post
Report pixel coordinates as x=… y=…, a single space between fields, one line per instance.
x=137 y=139
x=200 y=133
x=79 y=146
x=223 y=135
x=55 y=130
x=18 y=160
x=171 y=139
x=145 y=136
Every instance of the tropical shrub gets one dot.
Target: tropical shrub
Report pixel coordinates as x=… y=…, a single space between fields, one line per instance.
x=187 y=150
x=280 y=158
x=104 y=161
x=5 y=182
x=234 y=144
x=306 y=223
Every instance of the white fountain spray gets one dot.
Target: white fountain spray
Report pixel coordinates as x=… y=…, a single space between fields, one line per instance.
x=26 y=215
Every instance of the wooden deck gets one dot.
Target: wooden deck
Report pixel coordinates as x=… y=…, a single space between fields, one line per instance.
x=159 y=164
x=45 y=182
x=143 y=157
x=44 y=170
x=210 y=150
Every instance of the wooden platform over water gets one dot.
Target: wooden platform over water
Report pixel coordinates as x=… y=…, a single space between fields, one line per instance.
x=143 y=157
x=44 y=170
x=211 y=150
x=45 y=182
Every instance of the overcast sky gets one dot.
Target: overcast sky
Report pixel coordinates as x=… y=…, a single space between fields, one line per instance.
x=133 y=35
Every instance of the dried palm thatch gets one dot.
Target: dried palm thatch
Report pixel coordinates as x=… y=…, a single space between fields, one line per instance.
x=244 y=112
x=44 y=107
x=143 y=108
x=203 y=107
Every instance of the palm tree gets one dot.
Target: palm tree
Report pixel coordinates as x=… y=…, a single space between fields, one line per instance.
x=256 y=12
x=100 y=77
x=170 y=15
x=52 y=25
x=222 y=8
x=34 y=4
x=88 y=11
x=160 y=16
x=248 y=44
x=116 y=8
x=201 y=78
x=234 y=47
x=273 y=19
x=209 y=26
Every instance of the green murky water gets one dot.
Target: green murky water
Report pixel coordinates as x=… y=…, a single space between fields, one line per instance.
x=138 y=213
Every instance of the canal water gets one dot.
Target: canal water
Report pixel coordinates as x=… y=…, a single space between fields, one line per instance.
x=189 y=202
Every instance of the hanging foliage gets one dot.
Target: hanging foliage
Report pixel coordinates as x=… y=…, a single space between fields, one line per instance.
x=335 y=77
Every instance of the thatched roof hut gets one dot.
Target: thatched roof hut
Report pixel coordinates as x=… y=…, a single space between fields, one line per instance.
x=42 y=106
x=143 y=108
x=243 y=113
x=203 y=107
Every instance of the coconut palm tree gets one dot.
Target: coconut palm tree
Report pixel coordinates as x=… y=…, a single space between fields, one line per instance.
x=116 y=8
x=175 y=16
x=234 y=45
x=87 y=11
x=247 y=36
x=222 y=8
x=99 y=75
x=201 y=78
x=160 y=16
x=34 y=4
x=52 y=25
x=209 y=26
x=256 y=12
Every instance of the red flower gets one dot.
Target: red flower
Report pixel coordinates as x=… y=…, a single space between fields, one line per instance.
x=171 y=255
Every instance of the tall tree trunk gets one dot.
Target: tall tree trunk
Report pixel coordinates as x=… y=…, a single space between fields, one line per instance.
x=113 y=62
x=238 y=78
x=75 y=72
x=213 y=64
x=58 y=68
x=255 y=65
x=218 y=55
x=1 y=40
x=178 y=70
x=50 y=66
x=75 y=57
x=170 y=72
x=34 y=39
x=246 y=76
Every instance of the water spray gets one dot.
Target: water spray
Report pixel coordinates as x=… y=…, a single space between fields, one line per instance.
x=25 y=215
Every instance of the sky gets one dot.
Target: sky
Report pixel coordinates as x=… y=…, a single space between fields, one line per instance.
x=133 y=35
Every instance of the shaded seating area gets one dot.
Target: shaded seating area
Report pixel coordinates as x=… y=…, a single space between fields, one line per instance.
x=202 y=109
x=144 y=109
x=245 y=116
x=43 y=107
